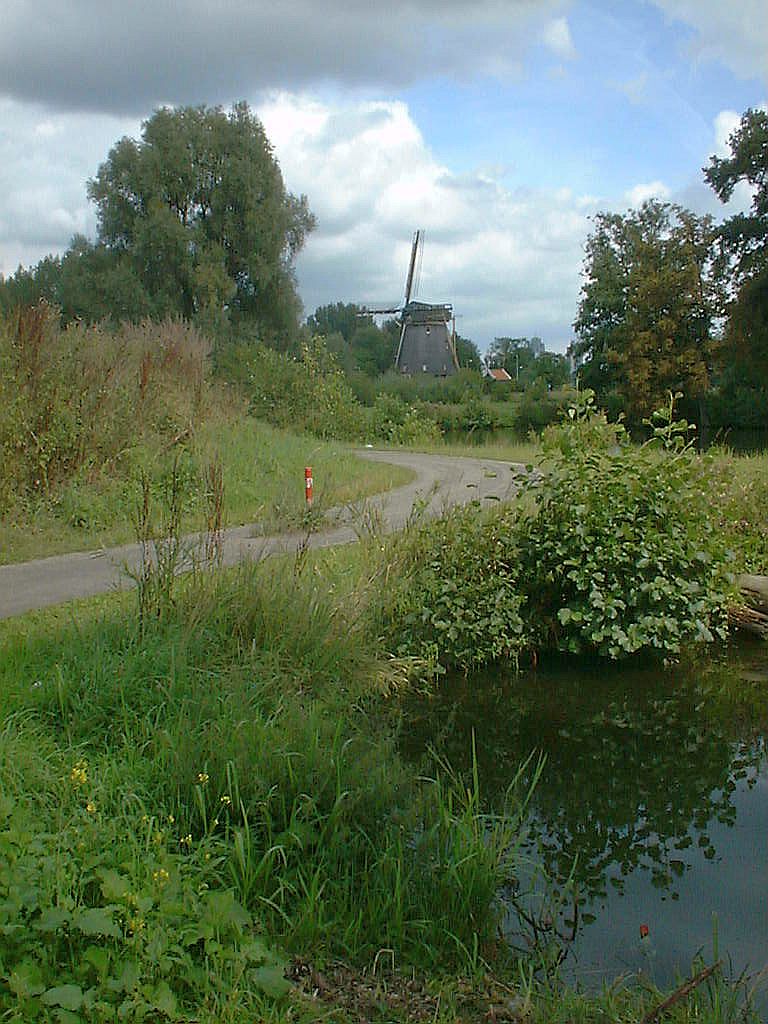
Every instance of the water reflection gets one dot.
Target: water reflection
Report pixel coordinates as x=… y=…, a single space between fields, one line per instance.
x=645 y=771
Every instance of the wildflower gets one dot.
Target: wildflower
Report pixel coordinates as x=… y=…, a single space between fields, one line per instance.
x=145 y=819
x=90 y=807
x=226 y=800
x=136 y=925
x=186 y=840
x=79 y=774
x=171 y=819
x=160 y=876
x=202 y=778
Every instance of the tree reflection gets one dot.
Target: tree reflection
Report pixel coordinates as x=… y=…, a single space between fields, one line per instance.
x=640 y=762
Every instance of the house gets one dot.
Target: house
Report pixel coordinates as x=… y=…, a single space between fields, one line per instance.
x=496 y=374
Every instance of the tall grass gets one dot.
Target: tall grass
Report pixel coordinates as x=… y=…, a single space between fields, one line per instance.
x=244 y=717
x=186 y=805
x=86 y=413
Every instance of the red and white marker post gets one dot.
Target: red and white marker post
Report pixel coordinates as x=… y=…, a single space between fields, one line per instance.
x=308 y=485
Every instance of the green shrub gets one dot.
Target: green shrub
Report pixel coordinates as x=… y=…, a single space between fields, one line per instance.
x=309 y=394
x=455 y=598
x=620 y=554
x=539 y=407
x=395 y=422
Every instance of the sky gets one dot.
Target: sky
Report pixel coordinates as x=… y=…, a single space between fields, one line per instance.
x=498 y=127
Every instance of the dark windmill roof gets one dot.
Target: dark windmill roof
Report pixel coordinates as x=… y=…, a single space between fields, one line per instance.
x=427 y=313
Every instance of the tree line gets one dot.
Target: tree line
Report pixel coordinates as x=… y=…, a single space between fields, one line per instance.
x=673 y=301
x=195 y=222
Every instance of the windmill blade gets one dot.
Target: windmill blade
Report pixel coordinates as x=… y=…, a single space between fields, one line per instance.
x=409 y=279
x=416 y=290
x=367 y=311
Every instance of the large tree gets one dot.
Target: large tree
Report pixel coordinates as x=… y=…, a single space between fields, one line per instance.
x=467 y=353
x=365 y=346
x=193 y=220
x=648 y=305
x=200 y=207
x=744 y=239
x=343 y=318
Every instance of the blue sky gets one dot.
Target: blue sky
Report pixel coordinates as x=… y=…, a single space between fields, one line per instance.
x=631 y=105
x=499 y=126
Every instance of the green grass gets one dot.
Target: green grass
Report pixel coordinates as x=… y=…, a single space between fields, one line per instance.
x=505 y=450
x=739 y=504
x=186 y=806
x=235 y=748
x=263 y=471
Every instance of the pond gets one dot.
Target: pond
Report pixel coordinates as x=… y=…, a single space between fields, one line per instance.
x=653 y=799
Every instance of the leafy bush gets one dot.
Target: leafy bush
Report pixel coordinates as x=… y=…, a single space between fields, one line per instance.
x=619 y=554
x=395 y=422
x=456 y=599
x=308 y=394
x=539 y=407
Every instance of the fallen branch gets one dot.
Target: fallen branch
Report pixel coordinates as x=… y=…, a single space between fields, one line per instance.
x=754 y=590
x=685 y=989
x=751 y=621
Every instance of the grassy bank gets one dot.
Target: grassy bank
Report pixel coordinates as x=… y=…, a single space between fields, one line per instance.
x=86 y=414
x=263 y=477
x=193 y=806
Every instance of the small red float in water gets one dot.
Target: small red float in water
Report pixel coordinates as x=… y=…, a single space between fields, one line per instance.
x=644 y=929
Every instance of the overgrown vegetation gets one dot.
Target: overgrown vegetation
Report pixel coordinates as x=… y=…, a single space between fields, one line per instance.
x=613 y=553
x=194 y=806
x=85 y=413
x=200 y=788
x=169 y=842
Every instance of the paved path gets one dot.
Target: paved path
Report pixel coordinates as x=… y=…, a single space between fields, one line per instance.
x=440 y=481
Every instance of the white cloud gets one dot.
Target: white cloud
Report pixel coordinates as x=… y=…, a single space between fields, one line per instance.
x=726 y=122
x=508 y=259
x=557 y=38
x=636 y=88
x=45 y=161
x=648 y=190
x=734 y=32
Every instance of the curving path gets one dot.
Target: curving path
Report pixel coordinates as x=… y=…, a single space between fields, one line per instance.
x=440 y=481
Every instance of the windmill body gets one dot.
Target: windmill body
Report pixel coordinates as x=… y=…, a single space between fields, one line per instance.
x=426 y=337
x=426 y=340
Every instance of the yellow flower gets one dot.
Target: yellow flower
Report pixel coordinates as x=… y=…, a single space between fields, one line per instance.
x=186 y=840
x=202 y=778
x=90 y=807
x=160 y=876
x=79 y=774
x=136 y=924
x=226 y=800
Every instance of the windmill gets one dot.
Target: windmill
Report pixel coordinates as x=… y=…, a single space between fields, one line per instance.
x=426 y=339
